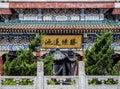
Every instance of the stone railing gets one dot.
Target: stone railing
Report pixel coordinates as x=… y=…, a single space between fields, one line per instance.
x=103 y=82
x=18 y=82
x=61 y=82
x=40 y=81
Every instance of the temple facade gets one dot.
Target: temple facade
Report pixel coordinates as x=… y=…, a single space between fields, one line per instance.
x=22 y=20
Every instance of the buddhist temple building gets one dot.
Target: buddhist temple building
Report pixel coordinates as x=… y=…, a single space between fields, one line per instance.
x=69 y=24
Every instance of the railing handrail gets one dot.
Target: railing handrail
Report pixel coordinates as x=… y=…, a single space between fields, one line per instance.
x=102 y=76
x=61 y=76
x=18 y=77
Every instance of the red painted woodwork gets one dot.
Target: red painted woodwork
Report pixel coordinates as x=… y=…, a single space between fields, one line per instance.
x=116 y=11
x=61 y=5
x=1 y=63
x=37 y=54
x=5 y=11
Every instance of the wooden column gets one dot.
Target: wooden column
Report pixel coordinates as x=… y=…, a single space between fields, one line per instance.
x=1 y=63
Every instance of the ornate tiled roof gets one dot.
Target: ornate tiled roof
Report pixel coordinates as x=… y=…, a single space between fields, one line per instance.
x=49 y=26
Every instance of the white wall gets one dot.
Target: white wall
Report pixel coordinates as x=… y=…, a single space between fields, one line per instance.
x=117 y=5
x=4 y=5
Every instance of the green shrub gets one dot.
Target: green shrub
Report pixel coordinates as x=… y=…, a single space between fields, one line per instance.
x=51 y=82
x=9 y=82
x=25 y=82
x=48 y=65
x=110 y=81
x=12 y=82
x=98 y=58
x=94 y=82
x=72 y=82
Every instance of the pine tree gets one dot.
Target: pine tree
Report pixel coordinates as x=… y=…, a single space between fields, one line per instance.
x=48 y=65
x=98 y=59
x=35 y=43
x=116 y=69
x=24 y=64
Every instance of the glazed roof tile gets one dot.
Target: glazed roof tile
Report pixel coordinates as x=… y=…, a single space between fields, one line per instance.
x=61 y=25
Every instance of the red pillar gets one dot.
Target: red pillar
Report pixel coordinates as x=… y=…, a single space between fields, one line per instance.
x=1 y=64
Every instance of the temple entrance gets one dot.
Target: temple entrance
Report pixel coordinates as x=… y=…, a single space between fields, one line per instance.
x=65 y=62
x=65 y=69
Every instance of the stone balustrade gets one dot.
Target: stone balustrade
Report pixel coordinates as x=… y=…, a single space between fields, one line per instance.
x=104 y=84
x=61 y=82
x=17 y=80
x=103 y=78
x=81 y=81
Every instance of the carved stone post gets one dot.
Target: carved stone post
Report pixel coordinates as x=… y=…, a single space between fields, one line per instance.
x=40 y=75
x=82 y=77
x=119 y=82
x=35 y=83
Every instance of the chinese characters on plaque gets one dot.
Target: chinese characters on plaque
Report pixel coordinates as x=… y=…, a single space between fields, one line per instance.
x=63 y=41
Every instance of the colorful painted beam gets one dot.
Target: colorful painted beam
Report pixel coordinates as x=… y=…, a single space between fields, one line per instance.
x=60 y=0
x=5 y=11
x=61 y=5
x=116 y=11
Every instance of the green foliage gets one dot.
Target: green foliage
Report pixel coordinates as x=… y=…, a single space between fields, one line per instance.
x=51 y=82
x=6 y=65
x=35 y=43
x=48 y=65
x=12 y=82
x=94 y=82
x=24 y=64
x=116 y=69
x=72 y=82
x=110 y=81
x=98 y=59
x=25 y=82
x=9 y=82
